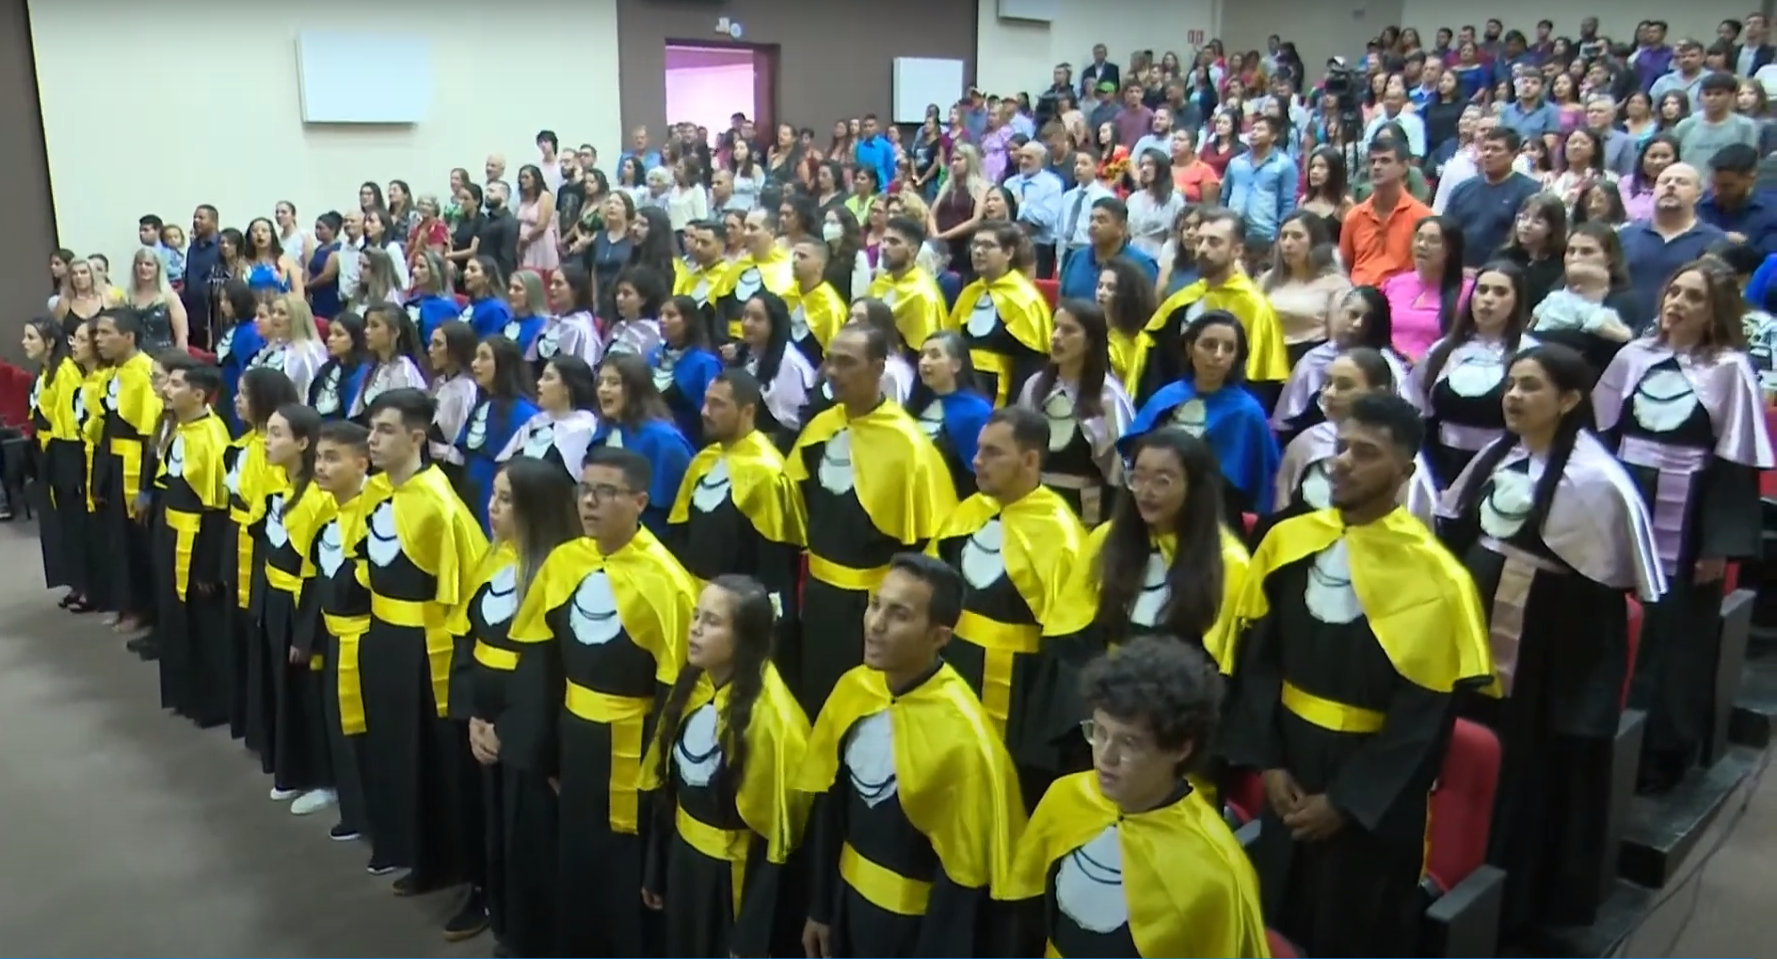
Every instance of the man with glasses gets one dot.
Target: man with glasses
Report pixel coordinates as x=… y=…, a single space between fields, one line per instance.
x=1349 y=724
x=1016 y=543
x=918 y=807
x=603 y=626
x=1156 y=705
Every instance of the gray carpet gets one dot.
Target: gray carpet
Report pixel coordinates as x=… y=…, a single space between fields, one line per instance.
x=132 y=833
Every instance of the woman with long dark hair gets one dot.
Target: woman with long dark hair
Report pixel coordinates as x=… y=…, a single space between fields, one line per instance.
x=729 y=741
x=1461 y=383
x=566 y=419
x=485 y=286
x=1086 y=408
x=429 y=302
x=949 y=406
x=1126 y=295
x=1683 y=408
x=54 y=473
x=504 y=405
x=251 y=481
x=1363 y=318
x=655 y=249
x=334 y=393
x=1555 y=533
x=531 y=512
x=450 y=355
x=634 y=416
x=395 y=355
x=1427 y=300
x=1210 y=401
x=238 y=340
x=289 y=618
x=783 y=372
x=684 y=364
x=570 y=326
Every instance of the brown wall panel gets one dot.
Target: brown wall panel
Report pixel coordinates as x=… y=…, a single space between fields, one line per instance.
x=835 y=57
x=30 y=236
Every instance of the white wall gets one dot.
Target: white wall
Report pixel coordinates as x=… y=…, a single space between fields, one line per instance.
x=1015 y=55
x=148 y=109
x=1617 y=20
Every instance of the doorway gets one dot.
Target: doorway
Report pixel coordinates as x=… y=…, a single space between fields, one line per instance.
x=707 y=84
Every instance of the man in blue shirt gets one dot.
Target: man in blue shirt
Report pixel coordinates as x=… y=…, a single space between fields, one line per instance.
x=1656 y=248
x=1038 y=194
x=1733 y=206
x=1486 y=205
x=1261 y=187
x=1109 y=229
x=875 y=151
x=638 y=148
x=1531 y=115
x=201 y=258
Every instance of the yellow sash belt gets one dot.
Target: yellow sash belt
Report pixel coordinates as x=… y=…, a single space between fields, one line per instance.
x=185 y=527
x=846 y=577
x=1000 y=644
x=881 y=886
x=349 y=630
x=722 y=845
x=129 y=452
x=627 y=717
x=1329 y=715
x=430 y=617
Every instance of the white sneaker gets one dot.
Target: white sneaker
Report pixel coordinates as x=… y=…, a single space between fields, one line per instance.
x=313 y=801
x=283 y=795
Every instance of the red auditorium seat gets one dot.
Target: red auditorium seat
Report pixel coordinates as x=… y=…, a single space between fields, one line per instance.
x=1634 y=647
x=1250 y=521
x=1281 y=948
x=15 y=397
x=1051 y=290
x=1730 y=579
x=200 y=354
x=1464 y=918
x=321 y=328
x=1244 y=794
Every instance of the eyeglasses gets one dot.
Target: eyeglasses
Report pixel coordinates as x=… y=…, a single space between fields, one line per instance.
x=1115 y=749
x=1162 y=483
x=602 y=492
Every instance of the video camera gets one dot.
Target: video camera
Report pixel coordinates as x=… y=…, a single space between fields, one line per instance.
x=1343 y=83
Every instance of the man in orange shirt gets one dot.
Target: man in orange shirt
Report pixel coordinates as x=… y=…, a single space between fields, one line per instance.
x=1376 y=239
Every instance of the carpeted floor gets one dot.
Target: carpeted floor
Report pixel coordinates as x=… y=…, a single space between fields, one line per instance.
x=135 y=834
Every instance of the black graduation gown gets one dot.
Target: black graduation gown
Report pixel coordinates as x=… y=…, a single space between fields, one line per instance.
x=1681 y=634
x=1449 y=407
x=123 y=575
x=410 y=755
x=722 y=541
x=832 y=636
x=40 y=488
x=881 y=833
x=1356 y=893
x=65 y=477
x=518 y=804
x=239 y=561
x=598 y=868
x=342 y=601
x=192 y=632
x=298 y=755
x=1555 y=728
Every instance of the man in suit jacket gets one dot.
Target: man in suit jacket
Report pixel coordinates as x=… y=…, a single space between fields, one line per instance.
x=1100 y=70
x=1756 y=51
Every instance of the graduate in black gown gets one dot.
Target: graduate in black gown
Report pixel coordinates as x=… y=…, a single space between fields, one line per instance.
x=1016 y=543
x=1122 y=860
x=949 y=406
x=420 y=547
x=1554 y=533
x=601 y=637
x=123 y=466
x=730 y=742
x=47 y=349
x=918 y=806
x=872 y=485
x=287 y=612
x=190 y=539
x=342 y=460
x=250 y=481
x=532 y=512
x=1365 y=633
x=767 y=349
x=63 y=402
x=1002 y=315
x=737 y=510
x=1682 y=408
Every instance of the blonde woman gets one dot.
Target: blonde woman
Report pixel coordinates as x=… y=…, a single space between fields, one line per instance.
x=151 y=293
x=101 y=265
x=81 y=298
x=379 y=281
x=961 y=203
x=292 y=344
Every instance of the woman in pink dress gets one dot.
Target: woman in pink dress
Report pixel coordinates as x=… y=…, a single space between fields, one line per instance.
x=538 y=244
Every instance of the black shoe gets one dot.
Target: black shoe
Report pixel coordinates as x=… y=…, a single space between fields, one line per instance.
x=379 y=868
x=145 y=647
x=68 y=599
x=81 y=605
x=344 y=833
x=414 y=884
x=471 y=920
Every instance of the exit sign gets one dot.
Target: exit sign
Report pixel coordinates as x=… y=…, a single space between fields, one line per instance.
x=1194 y=37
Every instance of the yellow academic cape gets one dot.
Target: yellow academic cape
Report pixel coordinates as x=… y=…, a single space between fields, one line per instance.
x=1267 y=360
x=201 y=442
x=775 y=275
x=1081 y=607
x=768 y=802
x=1023 y=311
x=130 y=396
x=823 y=309
x=702 y=284
x=905 y=488
x=759 y=485
x=1190 y=888
x=1421 y=604
x=957 y=784
x=917 y=301
x=1041 y=546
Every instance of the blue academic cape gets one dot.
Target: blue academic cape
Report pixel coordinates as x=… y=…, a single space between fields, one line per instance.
x=1235 y=428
